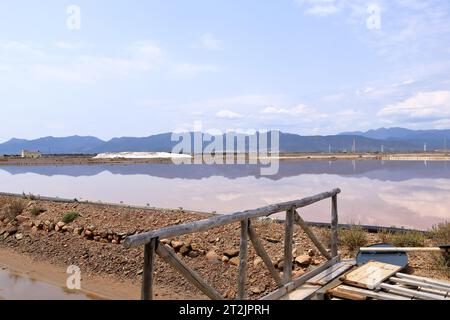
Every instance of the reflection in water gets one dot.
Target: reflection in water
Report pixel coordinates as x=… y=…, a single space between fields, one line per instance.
x=14 y=287
x=401 y=193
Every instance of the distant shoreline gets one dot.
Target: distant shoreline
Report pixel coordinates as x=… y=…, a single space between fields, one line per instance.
x=307 y=156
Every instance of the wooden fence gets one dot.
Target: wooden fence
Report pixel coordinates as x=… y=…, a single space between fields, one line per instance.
x=285 y=285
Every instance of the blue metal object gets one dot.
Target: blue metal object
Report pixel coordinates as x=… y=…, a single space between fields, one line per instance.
x=395 y=258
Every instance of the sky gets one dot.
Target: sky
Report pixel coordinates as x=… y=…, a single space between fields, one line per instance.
x=135 y=68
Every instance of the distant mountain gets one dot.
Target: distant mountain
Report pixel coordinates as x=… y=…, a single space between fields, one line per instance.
x=52 y=145
x=434 y=139
x=392 y=139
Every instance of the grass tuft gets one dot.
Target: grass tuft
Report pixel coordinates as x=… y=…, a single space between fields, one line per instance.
x=353 y=238
x=70 y=216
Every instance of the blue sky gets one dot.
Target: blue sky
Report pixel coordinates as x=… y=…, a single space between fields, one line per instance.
x=137 y=68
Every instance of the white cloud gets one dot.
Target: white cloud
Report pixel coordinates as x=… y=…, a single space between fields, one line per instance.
x=296 y=111
x=319 y=7
x=209 y=41
x=228 y=114
x=422 y=107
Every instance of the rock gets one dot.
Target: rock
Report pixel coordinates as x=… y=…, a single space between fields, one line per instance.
x=12 y=230
x=21 y=219
x=193 y=254
x=77 y=231
x=196 y=247
x=2 y=231
x=60 y=224
x=231 y=253
x=303 y=260
x=257 y=289
x=295 y=252
x=213 y=257
x=165 y=241
x=315 y=262
x=34 y=230
x=225 y=259
x=184 y=250
x=51 y=226
x=280 y=265
x=113 y=241
x=177 y=244
x=297 y=273
x=273 y=240
x=257 y=261
x=235 y=261
x=19 y=236
x=97 y=238
x=311 y=252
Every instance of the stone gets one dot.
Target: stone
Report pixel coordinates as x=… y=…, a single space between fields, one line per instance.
x=113 y=241
x=280 y=265
x=303 y=260
x=225 y=259
x=77 y=231
x=97 y=238
x=12 y=230
x=212 y=256
x=184 y=250
x=177 y=244
x=34 y=230
x=257 y=261
x=165 y=241
x=21 y=219
x=231 y=253
x=193 y=254
x=295 y=252
x=297 y=273
x=235 y=261
x=273 y=240
x=19 y=236
x=311 y=252
x=60 y=224
x=257 y=289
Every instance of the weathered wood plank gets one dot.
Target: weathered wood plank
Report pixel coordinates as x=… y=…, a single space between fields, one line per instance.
x=260 y=251
x=330 y=274
x=243 y=250
x=311 y=235
x=334 y=226
x=169 y=256
x=295 y=283
x=288 y=239
x=303 y=292
x=147 y=276
x=370 y=275
x=353 y=292
x=203 y=225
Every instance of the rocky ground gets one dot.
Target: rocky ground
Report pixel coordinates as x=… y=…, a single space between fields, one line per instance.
x=93 y=242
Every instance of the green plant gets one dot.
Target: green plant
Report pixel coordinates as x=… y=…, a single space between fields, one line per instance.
x=441 y=232
x=35 y=211
x=12 y=208
x=353 y=238
x=70 y=216
x=407 y=239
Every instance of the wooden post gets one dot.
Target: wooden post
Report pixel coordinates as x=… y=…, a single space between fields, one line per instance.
x=169 y=256
x=334 y=226
x=288 y=237
x=263 y=254
x=147 y=276
x=311 y=235
x=243 y=250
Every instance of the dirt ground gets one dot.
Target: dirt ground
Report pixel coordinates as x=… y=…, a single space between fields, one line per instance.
x=93 y=242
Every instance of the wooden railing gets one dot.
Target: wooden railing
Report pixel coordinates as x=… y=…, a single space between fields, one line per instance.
x=285 y=285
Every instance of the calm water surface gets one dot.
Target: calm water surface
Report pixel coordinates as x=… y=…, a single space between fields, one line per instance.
x=391 y=193
x=17 y=287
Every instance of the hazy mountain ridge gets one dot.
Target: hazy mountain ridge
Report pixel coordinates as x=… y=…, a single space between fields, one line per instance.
x=392 y=139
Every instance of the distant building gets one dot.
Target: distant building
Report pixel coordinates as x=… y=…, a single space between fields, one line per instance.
x=31 y=154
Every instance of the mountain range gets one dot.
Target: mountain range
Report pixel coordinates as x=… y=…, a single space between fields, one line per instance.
x=392 y=139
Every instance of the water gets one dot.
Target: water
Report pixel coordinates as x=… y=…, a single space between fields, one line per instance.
x=17 y=287
x=411 y=194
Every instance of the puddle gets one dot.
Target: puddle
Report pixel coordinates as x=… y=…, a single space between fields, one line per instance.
x=18 y=287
